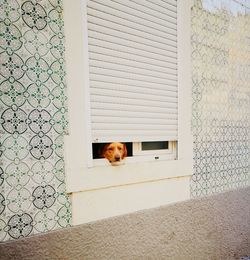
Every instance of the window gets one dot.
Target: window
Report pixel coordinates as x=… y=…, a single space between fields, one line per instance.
x=128 y=71
x=147 y=146
x=133 y=71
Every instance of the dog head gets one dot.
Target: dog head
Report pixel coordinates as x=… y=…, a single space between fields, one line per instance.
x=114 y=153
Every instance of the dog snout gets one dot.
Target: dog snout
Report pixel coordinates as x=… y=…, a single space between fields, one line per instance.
x=117 y=158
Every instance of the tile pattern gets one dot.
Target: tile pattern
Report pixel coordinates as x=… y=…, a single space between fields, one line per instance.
x=221 y=96
x=33 y=109
x=33 y=116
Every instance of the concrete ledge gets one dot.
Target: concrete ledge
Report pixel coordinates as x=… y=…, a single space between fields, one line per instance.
x=217 y=227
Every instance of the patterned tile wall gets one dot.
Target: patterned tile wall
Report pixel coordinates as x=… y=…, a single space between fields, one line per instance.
x=221 y=95
x=33 y=109
x=33 y=118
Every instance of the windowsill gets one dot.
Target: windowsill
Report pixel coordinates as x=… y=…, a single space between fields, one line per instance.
x=138 y=159
x=101 y=177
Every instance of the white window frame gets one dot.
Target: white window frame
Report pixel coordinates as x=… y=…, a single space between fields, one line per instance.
x=137 y=149
x=144 y=156
x=153 y=155
x=81 y=173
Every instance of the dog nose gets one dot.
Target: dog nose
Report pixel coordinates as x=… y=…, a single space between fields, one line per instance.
x=117 y=158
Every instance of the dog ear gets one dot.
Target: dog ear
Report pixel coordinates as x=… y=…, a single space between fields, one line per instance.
x=125 y=153
x=103 y=150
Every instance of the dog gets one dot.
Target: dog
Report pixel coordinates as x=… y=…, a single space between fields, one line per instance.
x=115 y=153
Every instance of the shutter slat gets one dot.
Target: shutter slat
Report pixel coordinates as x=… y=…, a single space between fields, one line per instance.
x=131 y=54
x=170 y=2
x=133 y=89
x=165 y=19
x=109 y=58
x=113 y=15
x=128 y=67
x=109 y=28
x=133 y=70
x=171 y=108
x=137 y=102
x=145 y=127
x=104 y=136
x=102 y=39
x=137 y=13
x=131 y=95
x=128 y=120
x=103 y=86
x=131 y=82
x=170 y=5
x=136 y=132
x=127 y=75
x=134 y=115
x=152 y=5
x=132 y=15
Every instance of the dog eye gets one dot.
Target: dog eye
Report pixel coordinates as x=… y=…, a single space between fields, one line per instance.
x=110 y=148
x=119 y=148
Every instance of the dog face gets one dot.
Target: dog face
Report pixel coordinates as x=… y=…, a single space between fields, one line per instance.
x=114 y=153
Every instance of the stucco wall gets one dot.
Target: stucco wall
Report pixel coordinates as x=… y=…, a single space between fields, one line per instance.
x=217 y=227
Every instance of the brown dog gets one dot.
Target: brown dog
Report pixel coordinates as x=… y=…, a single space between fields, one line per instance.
x=114 y=153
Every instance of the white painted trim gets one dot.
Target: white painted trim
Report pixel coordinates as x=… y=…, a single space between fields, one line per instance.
x=137 y=159
x=109 y=176
x=76 y=142
x=185 y=138
x=100 y=204
x=88 y=135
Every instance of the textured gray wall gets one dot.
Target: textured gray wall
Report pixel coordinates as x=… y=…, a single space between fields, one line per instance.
x=216 y=227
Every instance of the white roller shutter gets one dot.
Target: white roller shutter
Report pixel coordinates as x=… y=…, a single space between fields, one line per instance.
x=133 y=70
